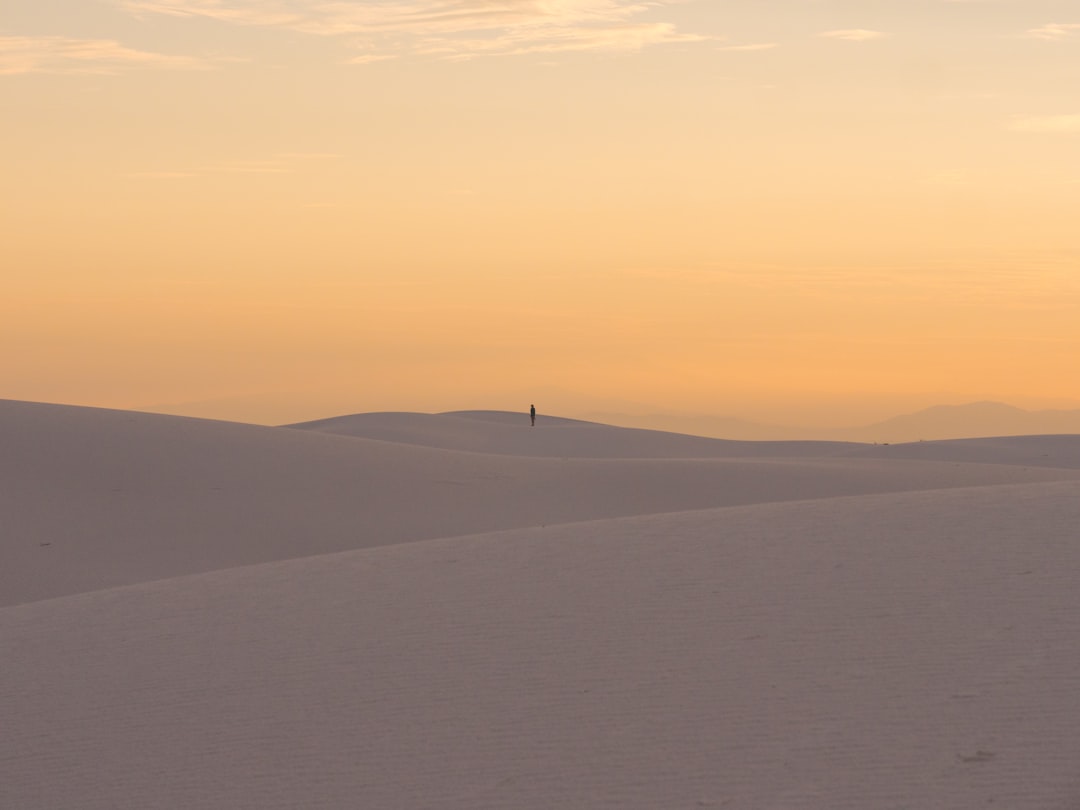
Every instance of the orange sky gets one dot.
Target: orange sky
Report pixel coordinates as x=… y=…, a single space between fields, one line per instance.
x=767 y=208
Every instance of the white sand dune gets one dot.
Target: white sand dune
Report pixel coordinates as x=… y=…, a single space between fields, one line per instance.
x=500 y=432
x=1062 y=451
x=96 y=498
x=825 y=631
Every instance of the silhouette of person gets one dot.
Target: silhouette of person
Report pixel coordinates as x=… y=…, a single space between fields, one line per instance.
x=532 y=415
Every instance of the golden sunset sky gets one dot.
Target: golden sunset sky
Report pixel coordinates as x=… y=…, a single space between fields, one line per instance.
x=789 y=210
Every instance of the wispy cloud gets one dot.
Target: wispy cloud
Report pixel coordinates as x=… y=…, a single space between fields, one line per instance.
x=853 y=34
x=382 y=29
x=1067 y=124
x=368 y=58
x=54 y=54
x=626 y=37
x=752 y=46
x=1054 y=31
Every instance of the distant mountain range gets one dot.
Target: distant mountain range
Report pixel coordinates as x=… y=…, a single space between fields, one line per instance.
x=973 y=420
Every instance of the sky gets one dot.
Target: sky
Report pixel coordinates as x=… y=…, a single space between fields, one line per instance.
x=804 y=211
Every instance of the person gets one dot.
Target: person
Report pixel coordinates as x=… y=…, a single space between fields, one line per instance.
x=532 y=415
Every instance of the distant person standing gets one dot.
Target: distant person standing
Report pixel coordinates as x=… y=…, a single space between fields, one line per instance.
x=532 y=416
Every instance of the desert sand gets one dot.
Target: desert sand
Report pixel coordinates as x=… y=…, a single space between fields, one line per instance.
x=461 y=611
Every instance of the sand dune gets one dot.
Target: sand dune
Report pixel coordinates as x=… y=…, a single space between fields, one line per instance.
x=501 y=432
x=1062 y=452
x=903 y=650
x=96 y=498
x=847 y=630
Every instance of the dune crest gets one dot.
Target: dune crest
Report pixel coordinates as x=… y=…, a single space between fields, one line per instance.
x=500 y=432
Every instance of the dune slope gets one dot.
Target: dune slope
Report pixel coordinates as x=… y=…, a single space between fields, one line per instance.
x=1062 y=452
x=886 y=651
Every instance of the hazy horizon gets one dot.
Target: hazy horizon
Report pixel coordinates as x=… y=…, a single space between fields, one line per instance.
x=822 y=414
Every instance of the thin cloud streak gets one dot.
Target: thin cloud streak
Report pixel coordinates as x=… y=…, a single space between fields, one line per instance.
x=448 y=28
x=853 y=34
x=370 y=58
x=754 y=46
x=57 y=54
x=611 y=38
x=1054 y=32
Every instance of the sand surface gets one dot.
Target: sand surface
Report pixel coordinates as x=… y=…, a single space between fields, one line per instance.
x=461 y=611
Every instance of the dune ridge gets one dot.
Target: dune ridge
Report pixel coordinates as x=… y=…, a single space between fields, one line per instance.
x=500 y=432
